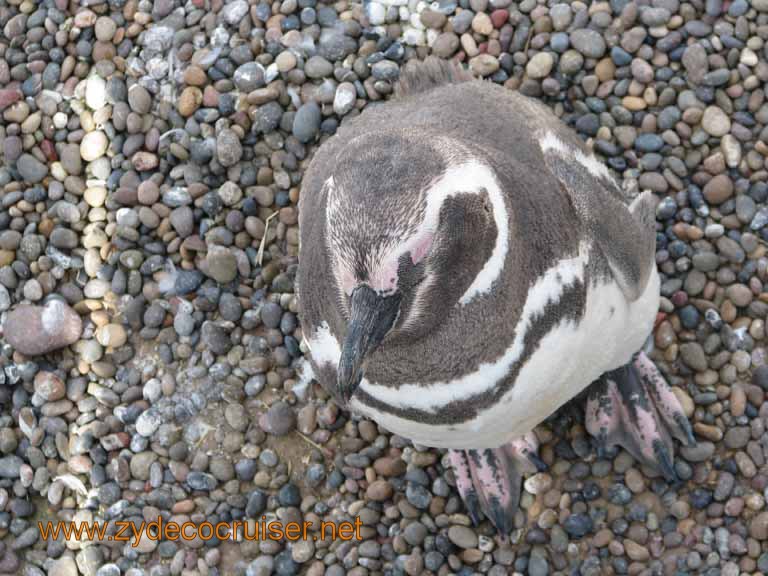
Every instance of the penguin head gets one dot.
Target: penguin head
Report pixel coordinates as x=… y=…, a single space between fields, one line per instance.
x=410 y=225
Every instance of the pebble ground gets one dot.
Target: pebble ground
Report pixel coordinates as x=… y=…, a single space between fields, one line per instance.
x=151 y=156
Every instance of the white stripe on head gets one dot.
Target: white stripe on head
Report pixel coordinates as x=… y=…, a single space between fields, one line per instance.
x=342 y=275
x=468 y=176
x=550 y=142
x=472 y=176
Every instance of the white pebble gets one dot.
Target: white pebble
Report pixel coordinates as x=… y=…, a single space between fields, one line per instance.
x=344 y=99
x=731 y=150
x=96 y=288
x=59 y=120
x=95 y=196
x=99 y=169
x=748 y=57
x=97 y=215
x=5 y=299
x=89 y=351
x=415 y=21
x=714 y=230
x=92 y=262
x=414 y=37
x=58 y=172
x=377 y=14
x=152 y=390
x=540 y=65
x=271 y=73
x=32 y=290
x=148 y=422
x=95 y=92
x=93 y=145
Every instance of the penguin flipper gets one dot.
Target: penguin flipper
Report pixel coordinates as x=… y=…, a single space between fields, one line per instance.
x=622 y=230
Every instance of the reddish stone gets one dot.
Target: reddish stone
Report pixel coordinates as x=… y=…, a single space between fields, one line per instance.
x=36 y=330
x=499 y=18
x=679 y=299
x=48 y=149
x=8 y=96
x=210 y=97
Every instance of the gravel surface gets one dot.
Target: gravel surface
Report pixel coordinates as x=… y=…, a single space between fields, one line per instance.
x=151 y=156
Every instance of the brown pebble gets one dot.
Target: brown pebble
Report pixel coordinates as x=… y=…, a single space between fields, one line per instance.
x=389 y=466
x=738 y=400
x=708 y=431
x=635 y=551
x=189 y=101
x=379 y=491
x=195 y=76
x=718 y=189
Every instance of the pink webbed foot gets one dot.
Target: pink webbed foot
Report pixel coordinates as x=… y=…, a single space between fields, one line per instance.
x=489 y=480
x=634 y=407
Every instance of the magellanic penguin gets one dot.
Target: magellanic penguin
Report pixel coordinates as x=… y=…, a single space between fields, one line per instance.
x=467 y=266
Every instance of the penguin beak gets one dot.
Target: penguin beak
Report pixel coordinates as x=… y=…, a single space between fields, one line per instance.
x=371 y=318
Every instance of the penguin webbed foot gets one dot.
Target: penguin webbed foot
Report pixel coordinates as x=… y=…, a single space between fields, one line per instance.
x=634 y=407
x=489 y=480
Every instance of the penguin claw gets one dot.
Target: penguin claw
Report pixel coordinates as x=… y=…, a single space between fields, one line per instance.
x=685 y=426
x=472 y=502
x=664 y=400
x=602 y=448
x=540 y=465
x=489 y=480
x=501 y=519
x=464 y=485
x=634 y=407
x=664 y=460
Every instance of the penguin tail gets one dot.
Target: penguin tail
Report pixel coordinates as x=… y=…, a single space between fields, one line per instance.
x=422 y=76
